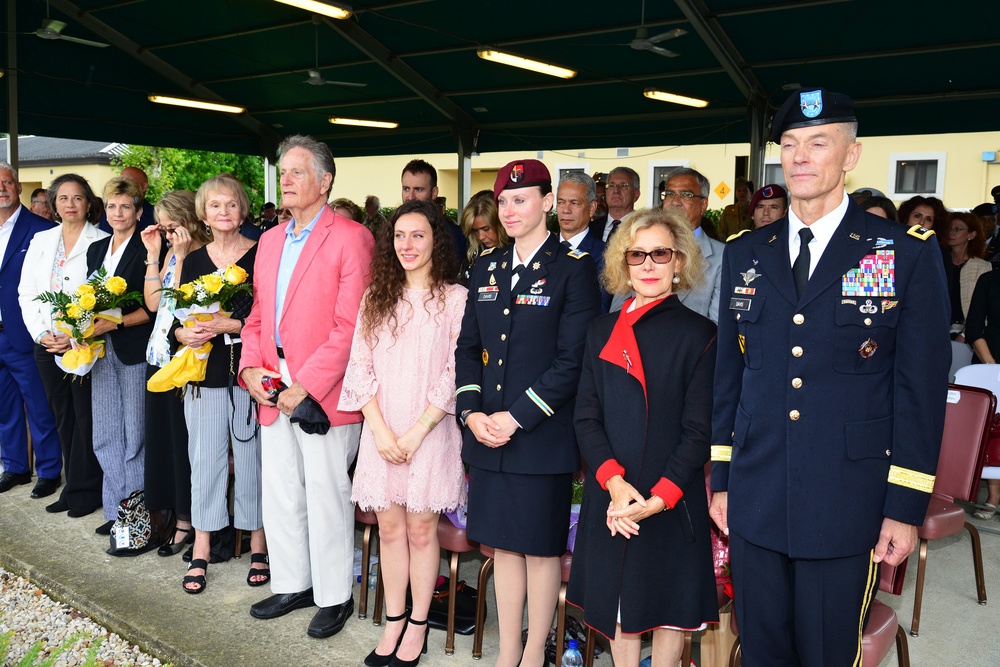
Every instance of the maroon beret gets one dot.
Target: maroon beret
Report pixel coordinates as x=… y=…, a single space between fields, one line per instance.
x=521 y=174
x=772 y=191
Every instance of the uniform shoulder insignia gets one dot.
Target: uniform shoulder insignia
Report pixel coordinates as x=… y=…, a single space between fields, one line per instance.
x=577 y=254
x=920 y=232
x=737 y=235
x=486 y=252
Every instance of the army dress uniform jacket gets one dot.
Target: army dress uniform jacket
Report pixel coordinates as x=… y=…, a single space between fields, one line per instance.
x=829 y=409
x=522 y=352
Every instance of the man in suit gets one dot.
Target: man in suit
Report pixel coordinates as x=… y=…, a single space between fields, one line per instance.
x=576 y=201
x=622 y=193
x=20 y=384
x=686 y=193
x=308 y=280
x=830 y=393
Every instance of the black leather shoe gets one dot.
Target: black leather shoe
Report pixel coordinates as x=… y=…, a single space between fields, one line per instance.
x=78 y=512
x=45 y=487
x=9 y=480
x=57 y=507
x=104 y=528
x=279 y=605
x=328 y=621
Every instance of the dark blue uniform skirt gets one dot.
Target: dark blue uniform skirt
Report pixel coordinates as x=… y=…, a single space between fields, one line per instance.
x=526 y=514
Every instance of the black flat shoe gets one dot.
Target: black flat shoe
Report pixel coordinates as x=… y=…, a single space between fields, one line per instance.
x=328 y=621
x=258 y=572
x=188 y=554
x=45 y=487
x=197 y=563
x=104 y=528
x=396 y=662
x=172 y=548
x=76 y=513
x=57 y=507
x=281 y=604
x=8 y=480
x=377 y=659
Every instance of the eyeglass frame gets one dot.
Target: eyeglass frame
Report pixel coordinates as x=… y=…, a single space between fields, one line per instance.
x=650 y=255
x=684 y=194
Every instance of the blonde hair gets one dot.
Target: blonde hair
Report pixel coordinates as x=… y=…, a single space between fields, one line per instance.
x=178 y=205
x=223 y=183
x=482 y=206
x=123 y=186
x=691 y=270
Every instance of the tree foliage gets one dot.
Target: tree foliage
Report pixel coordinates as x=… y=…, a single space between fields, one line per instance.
x=182 y=169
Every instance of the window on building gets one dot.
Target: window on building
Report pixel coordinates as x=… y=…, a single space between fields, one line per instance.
x=916 y=176
x=773 y=175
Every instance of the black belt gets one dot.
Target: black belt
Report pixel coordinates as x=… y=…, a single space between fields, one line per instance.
x=281 y=352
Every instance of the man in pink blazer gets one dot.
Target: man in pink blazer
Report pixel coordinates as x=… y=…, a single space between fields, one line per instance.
x=308 y=280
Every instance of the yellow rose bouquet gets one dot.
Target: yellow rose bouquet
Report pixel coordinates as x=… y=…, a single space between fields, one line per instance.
x=198 y=301
x=101 y=297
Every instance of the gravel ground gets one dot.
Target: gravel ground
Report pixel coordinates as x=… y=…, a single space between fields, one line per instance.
x=37 y=630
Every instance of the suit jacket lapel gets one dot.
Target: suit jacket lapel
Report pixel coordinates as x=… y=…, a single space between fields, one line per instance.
x=16 y=239
x=530 y=275
x=505 y=274
x=317 y=237
x=846 y=249
x=130 y=253
x=773 y=264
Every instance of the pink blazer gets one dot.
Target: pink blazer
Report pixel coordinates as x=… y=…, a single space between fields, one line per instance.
x=321 y=309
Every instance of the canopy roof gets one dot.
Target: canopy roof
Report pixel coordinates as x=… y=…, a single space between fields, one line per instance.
x=912 y=67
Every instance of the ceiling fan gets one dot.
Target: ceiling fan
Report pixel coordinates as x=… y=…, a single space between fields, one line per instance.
x=315 y=78
x=643 y=42
x=52 y=29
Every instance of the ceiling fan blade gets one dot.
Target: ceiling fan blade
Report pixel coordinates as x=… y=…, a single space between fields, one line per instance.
x=52 y=25
x=85 y=42
x=345 y=84
x=664 y=36
x=667 y=53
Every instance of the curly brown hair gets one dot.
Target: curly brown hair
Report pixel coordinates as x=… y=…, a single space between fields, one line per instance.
x=977 y=244
x=389 y=277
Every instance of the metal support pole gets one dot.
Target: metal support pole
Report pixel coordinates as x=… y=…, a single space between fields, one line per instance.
x=464 y=142
x=758 y=140
x=11 y=74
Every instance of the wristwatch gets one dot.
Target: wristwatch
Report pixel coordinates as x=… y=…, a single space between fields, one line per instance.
x=463 y=417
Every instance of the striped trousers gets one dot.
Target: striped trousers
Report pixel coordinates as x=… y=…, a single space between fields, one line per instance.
x=211 y=421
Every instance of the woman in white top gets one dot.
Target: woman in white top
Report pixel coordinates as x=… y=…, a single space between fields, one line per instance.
x=56 y=261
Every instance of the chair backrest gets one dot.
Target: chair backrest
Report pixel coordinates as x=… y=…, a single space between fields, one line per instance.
x=890 y=577
x=967 y=422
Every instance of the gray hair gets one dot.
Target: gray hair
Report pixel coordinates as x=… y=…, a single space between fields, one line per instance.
x=6 y=166
x=580 y=178
x=631 y=174
x=686 y=171
x=322 y=158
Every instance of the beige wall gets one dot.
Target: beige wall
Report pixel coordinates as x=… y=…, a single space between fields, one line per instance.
x=966 y=182
x=40 y=177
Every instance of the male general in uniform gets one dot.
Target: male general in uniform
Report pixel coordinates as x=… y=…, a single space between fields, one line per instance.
x=830 y=394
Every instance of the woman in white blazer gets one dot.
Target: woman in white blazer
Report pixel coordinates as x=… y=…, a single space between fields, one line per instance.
x=57 y=261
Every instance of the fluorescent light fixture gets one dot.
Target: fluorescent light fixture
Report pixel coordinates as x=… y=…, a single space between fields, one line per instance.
x=358 y=122
x=654 y=94
x=196 y=104
x=525 y=63
x=333 y=11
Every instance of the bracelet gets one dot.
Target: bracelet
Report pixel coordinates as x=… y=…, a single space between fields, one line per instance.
x=157 y=263
x=427 y=422
x=152 y=278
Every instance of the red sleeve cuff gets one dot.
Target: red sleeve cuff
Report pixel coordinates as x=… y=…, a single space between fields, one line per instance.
x=669 y=492
x=608 y=469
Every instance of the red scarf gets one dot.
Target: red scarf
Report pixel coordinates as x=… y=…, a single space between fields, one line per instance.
x=622 y=349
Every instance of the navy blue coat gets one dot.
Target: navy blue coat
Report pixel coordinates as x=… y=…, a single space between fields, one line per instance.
x=525 y=357
x=25 y=227
x=829 y=409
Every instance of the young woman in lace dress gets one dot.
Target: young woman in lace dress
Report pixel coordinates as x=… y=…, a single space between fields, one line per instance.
x=402 y=378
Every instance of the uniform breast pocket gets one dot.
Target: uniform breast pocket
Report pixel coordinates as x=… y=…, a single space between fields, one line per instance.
x=865 y=335
x=747 y=313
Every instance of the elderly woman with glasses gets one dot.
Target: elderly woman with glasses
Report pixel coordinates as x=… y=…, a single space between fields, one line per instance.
x=643 y=556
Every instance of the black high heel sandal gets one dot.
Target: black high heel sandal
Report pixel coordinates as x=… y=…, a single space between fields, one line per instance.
x=262 y=572
x=173 y=548
x=396 y=662
x=196 y=564
x=377 y=659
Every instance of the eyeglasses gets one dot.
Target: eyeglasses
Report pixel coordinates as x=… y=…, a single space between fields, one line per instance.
x=618 y=186
x=668 y=195
x=659 y=256
x=958 y=230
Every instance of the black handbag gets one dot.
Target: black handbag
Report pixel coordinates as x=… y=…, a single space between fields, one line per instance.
x=466 y=598
x=132 y=532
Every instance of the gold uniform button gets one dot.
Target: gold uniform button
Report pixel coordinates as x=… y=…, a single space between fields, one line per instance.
x=499 y=362
x=868 y=321
x=798 y=318
x=796 y=351
x=506 y=311
x=498 y=387
x=503 y=336
x=793 y=415
x=797 y=383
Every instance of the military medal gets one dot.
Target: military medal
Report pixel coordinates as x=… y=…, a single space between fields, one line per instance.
x=537 y=287
x=486 y=357
x=749 y=291
x=504 y=265
x=750 y=276
x=492 y=266
x=743 y=343
x=868 y=349
x=493 y=281
x=868 y=308
x=886 y=304
x=536 y=265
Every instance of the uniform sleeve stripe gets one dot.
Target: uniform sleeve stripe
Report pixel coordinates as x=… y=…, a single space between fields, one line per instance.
x=469 y=387
x=911 y=479
x=536 y=399
x=722 y=453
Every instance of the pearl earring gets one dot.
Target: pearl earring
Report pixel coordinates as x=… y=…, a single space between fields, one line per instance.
x=630 y=283
x=677 y=280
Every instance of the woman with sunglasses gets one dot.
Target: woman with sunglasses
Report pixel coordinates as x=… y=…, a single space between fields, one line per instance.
x=643 y=556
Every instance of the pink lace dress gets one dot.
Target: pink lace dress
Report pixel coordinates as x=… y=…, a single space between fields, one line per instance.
x=405 y=373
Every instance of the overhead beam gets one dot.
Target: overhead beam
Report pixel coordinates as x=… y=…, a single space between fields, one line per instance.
x=890 y=53
x=267 y=138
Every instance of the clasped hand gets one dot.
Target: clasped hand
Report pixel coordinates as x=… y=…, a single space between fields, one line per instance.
x=399 y=449
x=492 y=430
x=204 y=331
x=628 y=507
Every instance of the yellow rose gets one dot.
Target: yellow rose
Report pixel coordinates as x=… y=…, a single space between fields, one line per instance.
x=74 y=311
x=235 y=275
x=85 y=288
x=116 y=285
x=212 y=283
x=187 y=289
x=87 y=301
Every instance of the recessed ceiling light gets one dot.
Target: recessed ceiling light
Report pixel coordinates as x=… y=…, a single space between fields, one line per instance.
x=196 y=104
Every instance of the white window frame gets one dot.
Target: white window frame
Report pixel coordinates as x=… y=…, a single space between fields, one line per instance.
x=770 y=161
x=652 y=194
x=559 y=166
x=896 y=158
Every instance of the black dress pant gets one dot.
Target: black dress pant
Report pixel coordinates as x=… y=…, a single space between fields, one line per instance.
x=69 y=400
x=168 y=470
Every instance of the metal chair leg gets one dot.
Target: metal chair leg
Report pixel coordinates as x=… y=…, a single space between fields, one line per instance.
x=977 y=562
x=918 y=593
x=561 y=622
x=588 y=658
x=735 y=656
x=449 y=646
x=902 y=648
x=477 y=643
x=379 y=594
x=366 y=537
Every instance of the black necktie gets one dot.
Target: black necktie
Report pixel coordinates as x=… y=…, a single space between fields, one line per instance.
x=567 y=244
x=614 y=228
x=800 y=269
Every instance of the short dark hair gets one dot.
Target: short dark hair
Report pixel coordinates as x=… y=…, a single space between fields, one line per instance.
x=883 y=203
x=421 y=167
x=38 y=191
